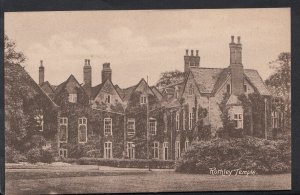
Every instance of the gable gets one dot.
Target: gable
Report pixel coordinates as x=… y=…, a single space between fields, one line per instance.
x=100 y=100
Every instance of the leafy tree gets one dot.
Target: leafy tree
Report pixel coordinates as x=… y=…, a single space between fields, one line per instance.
x=169 y=77
x=11 y=56
x=279 y=84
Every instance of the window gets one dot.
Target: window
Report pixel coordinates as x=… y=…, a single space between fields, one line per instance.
x=190 y=120
x=177 y=150
x=108 y=150
x=238 y=121
x=177 y=121
x=82 y=130
x=73 y=97
x=131 y=126
x=130 y=150
x=228 y=88
x=39 y=118
x=186 y=145
x=183 y=119
x=245 y=88
x=108 y=99
x=165 y=149
x=275 y=119
x=63 y=153
x=63 y=129
x=191 y=90
x=155 y=150
x=152 y=126
x=143 y=99
x=107 y=126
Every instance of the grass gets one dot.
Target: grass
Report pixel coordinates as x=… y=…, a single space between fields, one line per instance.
x=91 y=179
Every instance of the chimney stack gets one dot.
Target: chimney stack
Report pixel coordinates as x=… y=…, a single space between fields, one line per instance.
x=236 y=67
x=191 y=61
x=87 y=73
x=106 y=72
x=41 y=73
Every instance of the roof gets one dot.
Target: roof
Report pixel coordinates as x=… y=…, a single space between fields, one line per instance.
x=95 y=90
x=209 y=80
x=120 y=91
x=128 y=91
x=257 y=81
x=26 y=75
x=47 y=87
x=206 y=78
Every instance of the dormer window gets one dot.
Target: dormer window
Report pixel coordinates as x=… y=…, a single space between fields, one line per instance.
x=143 y=99
x=191 y=90
x=73 y=97
x=108 y=99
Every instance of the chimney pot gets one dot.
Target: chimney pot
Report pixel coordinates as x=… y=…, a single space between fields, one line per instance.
x=232 y=39
x=186 y=52
x=41 y=63
x=239 y=39
x=192 y=52
x=89 y=61
x=197 y=52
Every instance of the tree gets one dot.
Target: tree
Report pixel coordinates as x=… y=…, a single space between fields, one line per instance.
x=279 y=84
x=169 y=77
x=11 y=56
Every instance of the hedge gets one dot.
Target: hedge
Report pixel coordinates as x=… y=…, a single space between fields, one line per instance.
x=248 y=153
x=124 y=163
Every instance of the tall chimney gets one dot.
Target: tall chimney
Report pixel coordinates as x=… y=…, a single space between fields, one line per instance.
x=192 y=61
x=236 y=67
x=106 y=72
x=87 y=73
x=41 y=73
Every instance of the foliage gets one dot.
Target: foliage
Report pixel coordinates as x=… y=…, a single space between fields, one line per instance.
x=248 y=153
x=47 y=155
x=23 y=101
x=13 y=156
x=124 y=163
x=11 y=56
x=34 y=155
x=279 y=84
x=169 y=77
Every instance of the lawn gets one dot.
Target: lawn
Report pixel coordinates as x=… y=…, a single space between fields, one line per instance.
x=92 y=179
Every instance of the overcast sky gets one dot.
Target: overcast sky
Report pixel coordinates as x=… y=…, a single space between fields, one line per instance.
x=141 y=43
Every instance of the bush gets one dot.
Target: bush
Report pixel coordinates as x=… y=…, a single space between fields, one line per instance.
x=13 y=156
x=124 y=163
x=47 y=156
x=248 y=153
x=34 y=155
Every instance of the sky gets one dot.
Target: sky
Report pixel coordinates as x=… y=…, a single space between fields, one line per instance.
x=143 y=43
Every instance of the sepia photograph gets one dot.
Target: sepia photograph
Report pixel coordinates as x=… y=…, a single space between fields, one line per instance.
x=132 y=101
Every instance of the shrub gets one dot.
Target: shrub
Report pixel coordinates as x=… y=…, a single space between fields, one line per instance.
x=124 y=163
x=13 y=156
x=47 y=156
x=248 y=153
x=34 y=155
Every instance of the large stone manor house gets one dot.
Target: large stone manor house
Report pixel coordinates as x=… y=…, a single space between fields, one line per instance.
x=107 y=121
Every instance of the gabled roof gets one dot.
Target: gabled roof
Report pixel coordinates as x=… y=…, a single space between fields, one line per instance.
x=61 y=86
x=209 y=80
x=95 y=90
x=46 y=85
x=120 y=91
x=257 y=81
x=128 y=91
x=22 y=71
x=206 y=78
x=156 y=92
